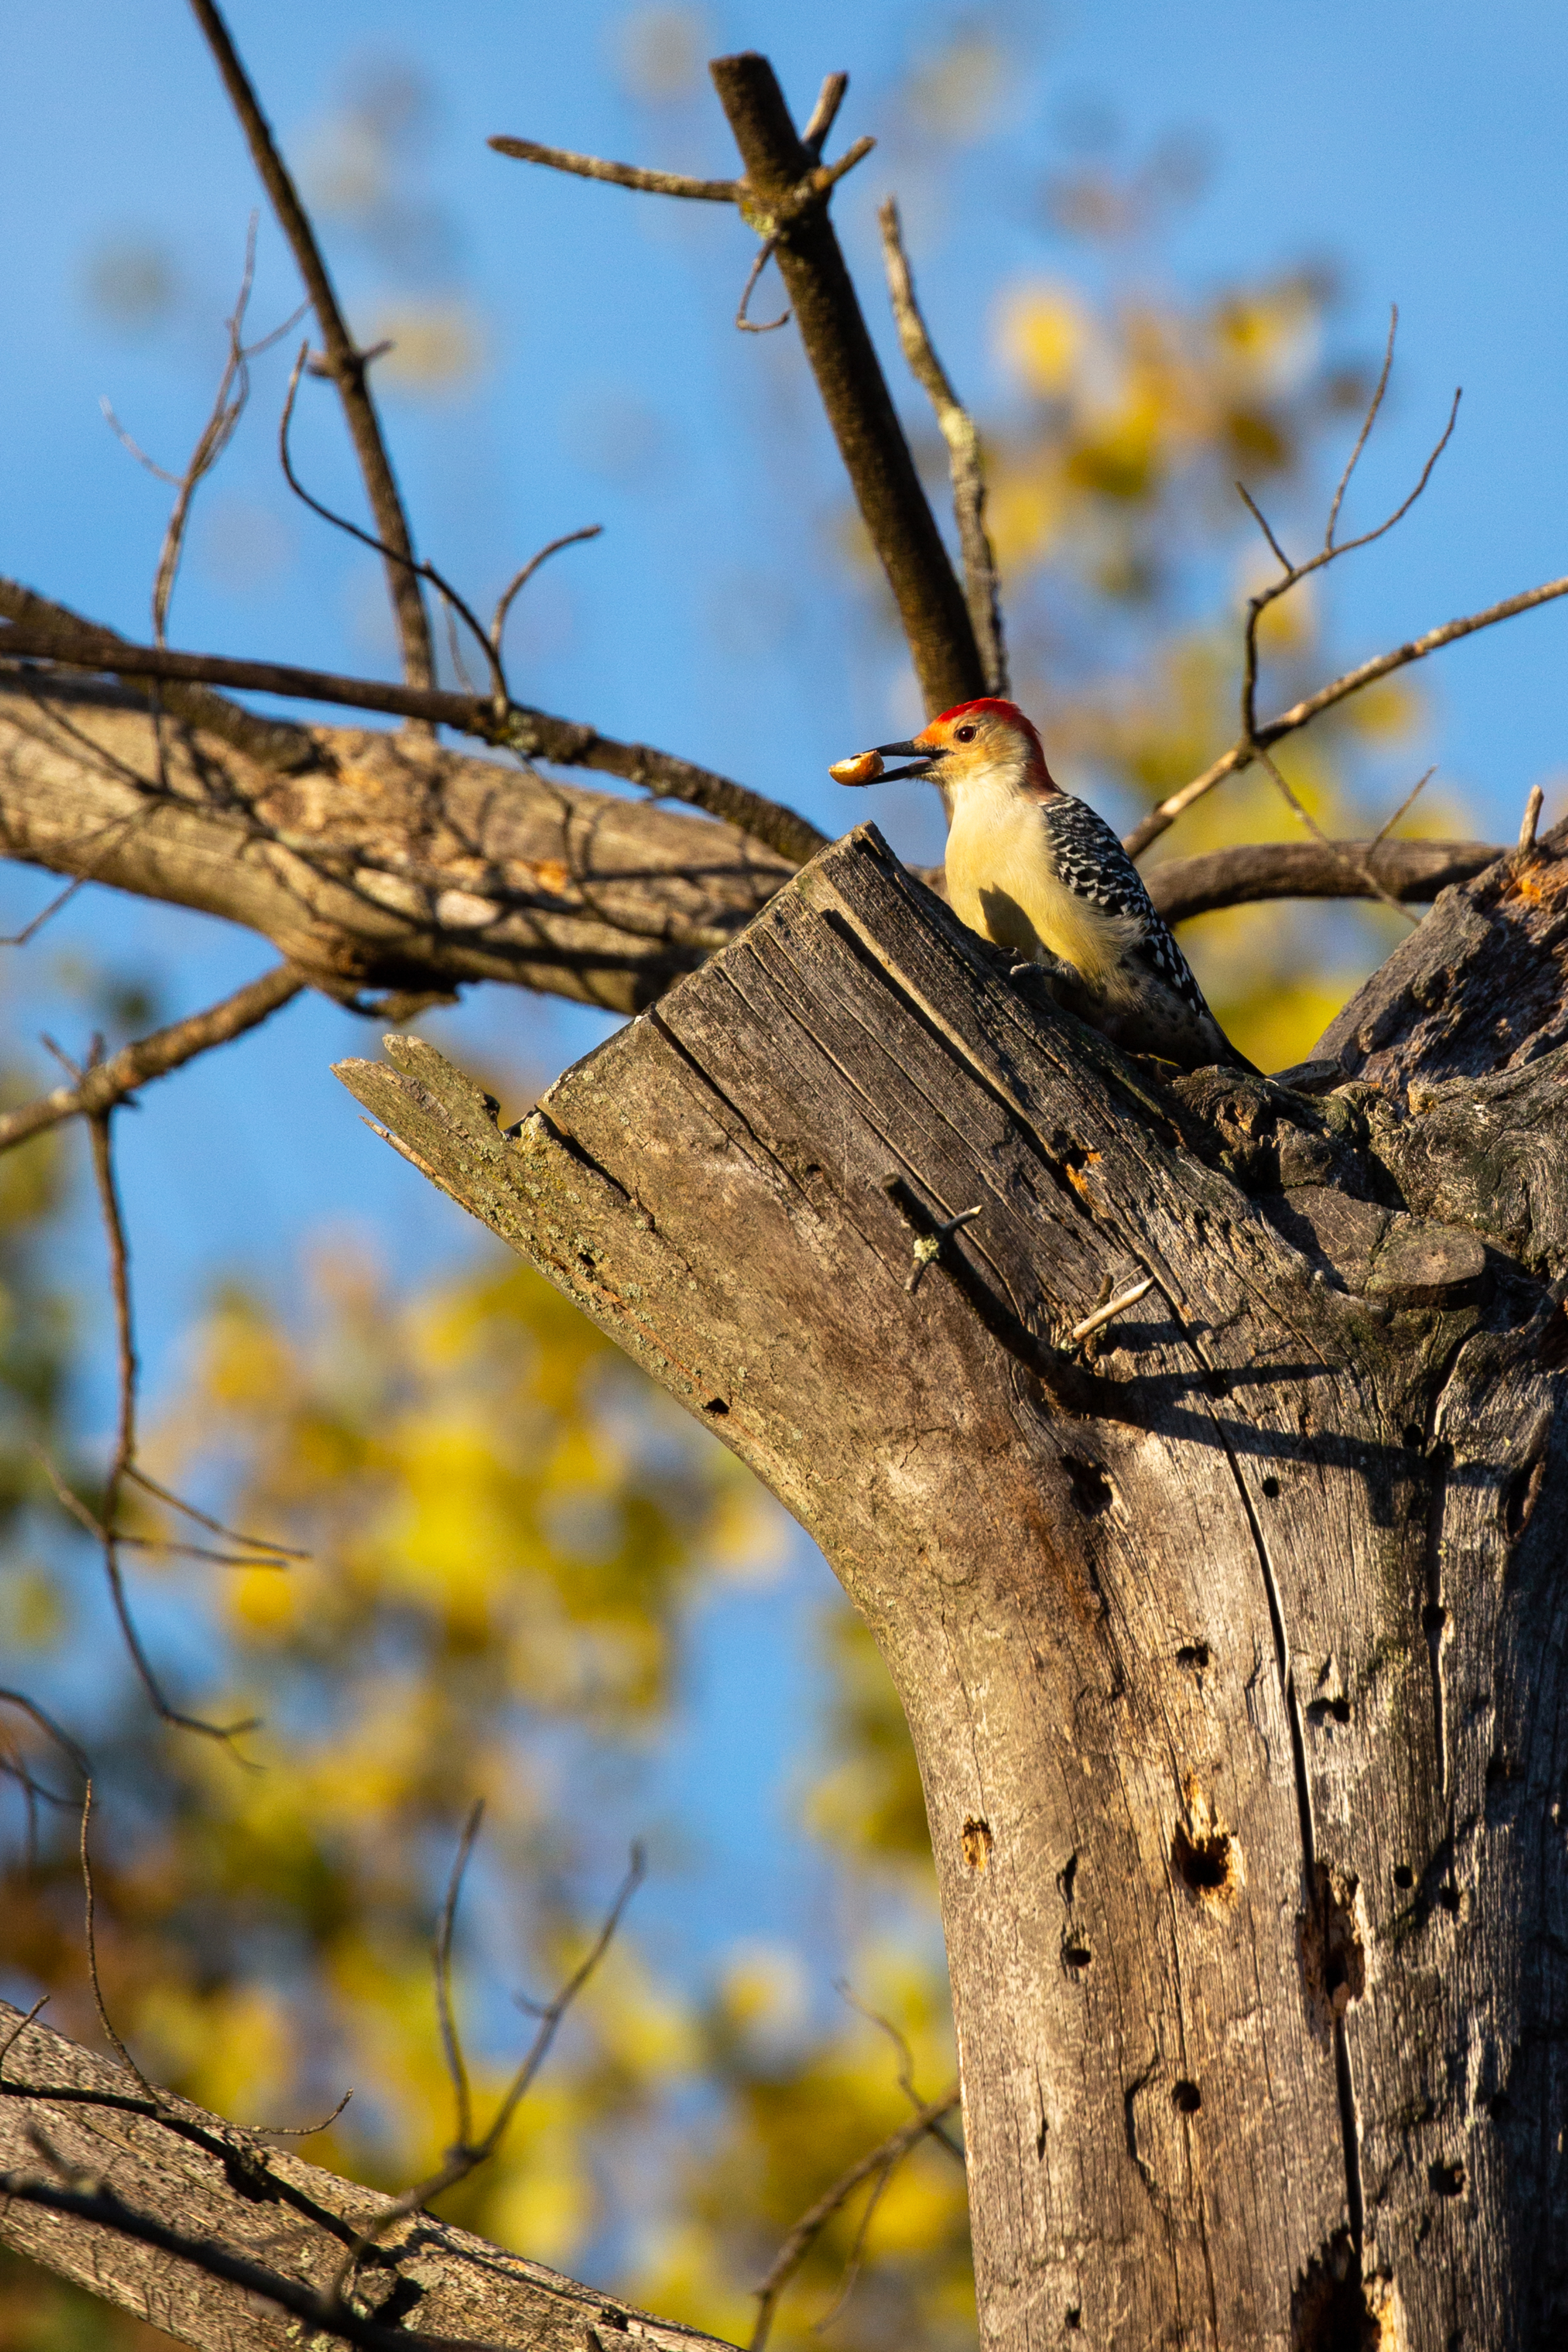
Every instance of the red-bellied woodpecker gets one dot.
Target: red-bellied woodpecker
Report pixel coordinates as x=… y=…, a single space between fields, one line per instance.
x=1036 y=870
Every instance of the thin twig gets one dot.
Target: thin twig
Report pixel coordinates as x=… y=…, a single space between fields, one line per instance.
x=18 y=2030
x=515 y=586
x=765 y=254
x=300 y=2131
x=47 y=1724
x=110 y=1082
x=824 y=114
x=1242 y=754
x=620 y=176
x=1530 y=820
x=1254 y=738
x=103 y=2017
x=125 y=1438
x=1405 y=806
x=228 y=406
x=1299 y=807
x=855 y=2255
x=134 y=1472
x=982 y=589
x=906 y=2056
x=467 y=2156
x=393 y=558
x=809 y=2227
x=1368 y=421
x=345 y=362
x=61 y=897
x=1112 y=1309
x=451 y=2044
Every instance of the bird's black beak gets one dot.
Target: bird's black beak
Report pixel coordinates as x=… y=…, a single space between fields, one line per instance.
x=925 y=761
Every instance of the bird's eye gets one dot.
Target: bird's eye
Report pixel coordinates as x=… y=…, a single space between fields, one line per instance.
x=964 y=734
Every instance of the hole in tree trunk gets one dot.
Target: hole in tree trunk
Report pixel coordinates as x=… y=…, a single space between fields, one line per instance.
x=1333 y=2309
x=1186 y=2098
x=1091 y=1489
x=1329 y=1945
x=1204 y=1856
x=977 y=1844
x=1194 y=1654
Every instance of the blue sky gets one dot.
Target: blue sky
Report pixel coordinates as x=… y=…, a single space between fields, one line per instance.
x=1416 y=149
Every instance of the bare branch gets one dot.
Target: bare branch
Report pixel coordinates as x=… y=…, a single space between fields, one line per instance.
x=806 y=2231
x=50 y=1728
x=1531 y=819
x=620 y=176
x=1265 y=526
x=272 y=743
x=108 y=1083
x=394 y=559
x=140 y=1477
x=850 y=379
x=906 y=2058
x=824 y=114
x=61 y=899
x=104 y=2019
x=1313 y=706
x=533 y=733
x=1405 y=806
x=1368 y=421
x=466 y=2157
x=519 y=581
x=765 y=254
x=345 y=362
x=981 y=587
x=102 y=1523
x=190 y=2228
x=1298 y=808
x=451 y=2044
x=1256 y=871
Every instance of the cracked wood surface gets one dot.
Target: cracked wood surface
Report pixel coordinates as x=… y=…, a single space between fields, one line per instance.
x=1237 y=1711
x=212 y=2181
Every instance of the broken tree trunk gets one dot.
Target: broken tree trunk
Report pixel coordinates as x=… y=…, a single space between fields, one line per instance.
x=1234 y=1656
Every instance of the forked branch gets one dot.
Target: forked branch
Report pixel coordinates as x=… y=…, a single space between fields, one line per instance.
x=783 y=196
x=1258 y=738
x=1242 y=754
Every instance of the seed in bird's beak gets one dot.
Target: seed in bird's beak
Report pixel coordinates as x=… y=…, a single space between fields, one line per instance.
x=863 y=768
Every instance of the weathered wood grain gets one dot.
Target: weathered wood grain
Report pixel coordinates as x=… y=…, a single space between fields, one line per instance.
x=386 y=865
x=1208 y=1693
x=209 y=2180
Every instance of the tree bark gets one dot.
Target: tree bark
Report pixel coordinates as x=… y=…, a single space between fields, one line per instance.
x=1233 y=1658
x=387 y=863
x=224 y=2189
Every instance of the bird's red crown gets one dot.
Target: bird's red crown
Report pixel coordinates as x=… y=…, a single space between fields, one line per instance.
x=992 y=705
